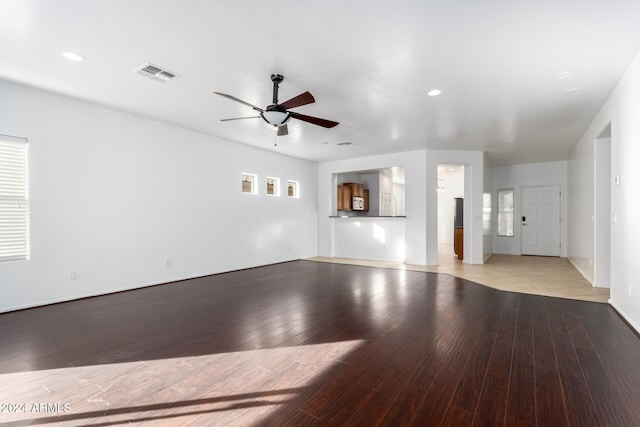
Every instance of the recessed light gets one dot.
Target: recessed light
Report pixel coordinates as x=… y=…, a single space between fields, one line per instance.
x=573 y=89
x=564 y=75
x=72 y=56
x=434 y=92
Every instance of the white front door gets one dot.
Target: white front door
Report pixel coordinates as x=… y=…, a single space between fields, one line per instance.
x=541 y=221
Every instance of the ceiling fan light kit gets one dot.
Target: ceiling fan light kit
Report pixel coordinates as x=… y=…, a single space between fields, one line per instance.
x=275 y=118
x=277 y=115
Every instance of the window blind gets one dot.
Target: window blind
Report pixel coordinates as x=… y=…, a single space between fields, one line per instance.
x=505 y=212
x=14 y=205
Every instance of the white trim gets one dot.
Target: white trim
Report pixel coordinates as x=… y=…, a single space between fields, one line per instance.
x=14 y=198
x=560 y=221
x=513 y=211
x=169 y=281
x=254 y=183
x=624 y=316
x=296 y=189
x=585 y=275
x=276 y=186
x=487 y=258
x=77 y=297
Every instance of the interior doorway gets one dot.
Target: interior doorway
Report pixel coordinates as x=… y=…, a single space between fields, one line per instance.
x=450 y=212
x=602 y=210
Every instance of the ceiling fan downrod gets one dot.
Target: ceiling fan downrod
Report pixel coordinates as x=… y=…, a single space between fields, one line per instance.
x=276 y=79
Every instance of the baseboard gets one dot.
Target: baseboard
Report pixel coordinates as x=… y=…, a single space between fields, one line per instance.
x=126 y=289
x=487 y=257
x=584 y=274
x=73 y=298
x=630 y=322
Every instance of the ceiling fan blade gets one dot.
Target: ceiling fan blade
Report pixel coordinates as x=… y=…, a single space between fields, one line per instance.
x=297 y=101
x=314 y=120
x=239 y=118
x=233 y=98
x=283 y=130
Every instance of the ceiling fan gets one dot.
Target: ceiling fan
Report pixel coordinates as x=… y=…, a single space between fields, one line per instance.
x=277 y=115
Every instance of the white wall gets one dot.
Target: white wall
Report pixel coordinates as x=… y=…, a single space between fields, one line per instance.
x=621 y=110
x=369 y=238
x=487 y=210
x=398 y=196
x=527 y=175
x=580 y=209
x=114 y=195
x=371 y=182
x=415 y=199
x=602 y=205
x=473 y=185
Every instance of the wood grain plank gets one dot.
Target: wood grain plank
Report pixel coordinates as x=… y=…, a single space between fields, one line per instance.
x=521 y=405
x=309 y=343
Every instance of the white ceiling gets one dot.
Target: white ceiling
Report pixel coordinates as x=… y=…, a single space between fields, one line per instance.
x=369 y=65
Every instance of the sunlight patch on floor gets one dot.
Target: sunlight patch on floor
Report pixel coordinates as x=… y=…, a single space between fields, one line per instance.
x=203 y=390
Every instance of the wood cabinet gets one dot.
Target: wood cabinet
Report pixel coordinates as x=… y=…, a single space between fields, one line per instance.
x=344 y=198
x=351 y=188
x=458 y=242
x=348 y=190
x=357 y=190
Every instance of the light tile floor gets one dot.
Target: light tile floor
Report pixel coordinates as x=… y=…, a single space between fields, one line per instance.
x=547 y=276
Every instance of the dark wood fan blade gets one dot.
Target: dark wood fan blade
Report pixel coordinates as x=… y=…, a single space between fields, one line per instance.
x=297 y=101
x=314 y=120
x=283 y=130
x=239 y=118
x=233 y=98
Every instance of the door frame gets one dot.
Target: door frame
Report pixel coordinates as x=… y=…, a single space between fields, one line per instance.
x=560 y=223
x=602 y=210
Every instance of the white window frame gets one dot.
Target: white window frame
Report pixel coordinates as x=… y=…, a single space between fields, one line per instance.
x=14 y=199
x=276 y=186
x=486 y=214
x=253 y=179
x=504 y=213
x=296 y=189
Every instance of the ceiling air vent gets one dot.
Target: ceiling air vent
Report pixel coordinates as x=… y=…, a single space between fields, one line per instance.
x=154 y=72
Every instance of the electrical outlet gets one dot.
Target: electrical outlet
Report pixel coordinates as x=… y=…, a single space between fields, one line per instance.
x=590 y=262
x=72 y=275
x=629 y=290
x=168 y=263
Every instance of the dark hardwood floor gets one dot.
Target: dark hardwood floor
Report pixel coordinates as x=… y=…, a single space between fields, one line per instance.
x=386 y=347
